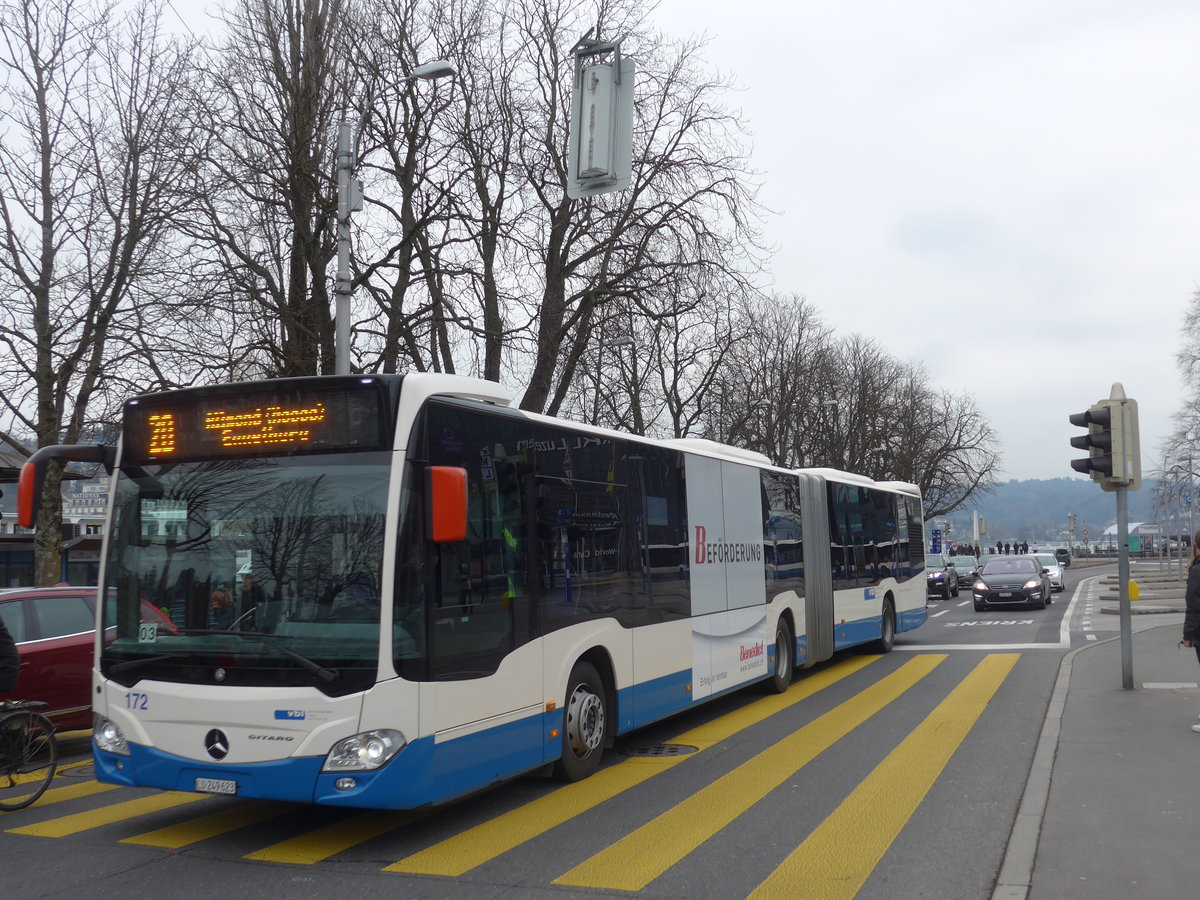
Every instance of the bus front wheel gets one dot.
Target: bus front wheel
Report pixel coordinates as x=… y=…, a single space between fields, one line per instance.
x=887 y=626
x=585 y=724
x=781 y=675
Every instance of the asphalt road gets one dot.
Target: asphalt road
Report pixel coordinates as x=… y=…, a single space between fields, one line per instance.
x=871 y=777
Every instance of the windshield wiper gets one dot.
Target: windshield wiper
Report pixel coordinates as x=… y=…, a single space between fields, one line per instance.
x=272 y=640
x=129 y=664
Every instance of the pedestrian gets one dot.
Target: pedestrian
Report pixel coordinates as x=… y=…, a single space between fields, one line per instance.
x=220 y=606
x=1191 y=618
x=10 y=660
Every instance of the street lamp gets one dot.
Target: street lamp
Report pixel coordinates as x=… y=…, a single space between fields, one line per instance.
x=350 y=199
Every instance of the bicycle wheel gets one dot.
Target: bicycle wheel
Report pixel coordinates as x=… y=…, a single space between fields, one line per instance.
x=28 y=759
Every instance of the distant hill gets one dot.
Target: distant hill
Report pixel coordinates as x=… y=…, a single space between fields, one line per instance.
x=1036 y=510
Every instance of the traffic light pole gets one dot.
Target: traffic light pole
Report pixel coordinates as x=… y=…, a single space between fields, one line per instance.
x=1123 y=579
x=1114 y=461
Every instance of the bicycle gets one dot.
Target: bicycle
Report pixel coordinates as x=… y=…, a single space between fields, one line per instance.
x=28 y=753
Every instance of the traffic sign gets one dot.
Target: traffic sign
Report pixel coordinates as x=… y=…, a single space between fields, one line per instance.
x=1085 y=534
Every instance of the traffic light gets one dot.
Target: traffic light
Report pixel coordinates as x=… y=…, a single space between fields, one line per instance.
x=1098 y=441
x=1071 y=521
x=1114 y=458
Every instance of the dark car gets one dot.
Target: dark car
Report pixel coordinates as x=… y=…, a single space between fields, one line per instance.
x=1011 y=581
x=941 y=580
x=1064 y=557
x=54 y=628
x=966 y=567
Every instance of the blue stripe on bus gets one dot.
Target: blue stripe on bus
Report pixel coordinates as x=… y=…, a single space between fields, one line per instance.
x=424 y=772
x=281 y=779
x=910 y=619
x=641 y=704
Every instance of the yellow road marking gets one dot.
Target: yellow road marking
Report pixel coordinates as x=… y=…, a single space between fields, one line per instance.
x=314 y=846
x=838 y=857
x=462 y=852
x=74 y=792
x=641 y=856
x=96 y=818
x=221 y=822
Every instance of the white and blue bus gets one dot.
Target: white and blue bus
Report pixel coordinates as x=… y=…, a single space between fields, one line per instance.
x=392 y=591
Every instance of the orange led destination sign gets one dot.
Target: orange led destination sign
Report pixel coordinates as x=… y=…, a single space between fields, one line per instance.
x=260 y=427
x=212 y=423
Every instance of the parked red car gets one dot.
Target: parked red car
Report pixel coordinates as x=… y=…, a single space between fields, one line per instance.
x=54 y=628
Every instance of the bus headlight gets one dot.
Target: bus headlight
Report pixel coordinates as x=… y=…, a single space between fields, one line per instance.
x=363 y=752
x=108 y=736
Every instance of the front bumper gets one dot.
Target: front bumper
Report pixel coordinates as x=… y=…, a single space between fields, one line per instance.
x=1008 y=596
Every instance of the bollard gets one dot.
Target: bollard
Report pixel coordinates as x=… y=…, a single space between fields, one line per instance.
x=1134 y=591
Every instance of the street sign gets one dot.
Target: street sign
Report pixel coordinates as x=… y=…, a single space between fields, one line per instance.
x=1085 y=534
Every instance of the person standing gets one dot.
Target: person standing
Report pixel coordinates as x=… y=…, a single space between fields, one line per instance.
x=1191 y=618
x=10 y=660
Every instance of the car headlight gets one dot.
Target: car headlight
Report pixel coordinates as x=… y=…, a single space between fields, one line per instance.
x=108 y=735
x=936 y=575
x=364 y=752
x=1033 y=583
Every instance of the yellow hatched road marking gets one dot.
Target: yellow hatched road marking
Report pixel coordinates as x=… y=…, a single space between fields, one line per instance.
x=641 y=856
x=462 y=852
x=216 y=823
x=107 y=815
x=838 y=857
x=74 y=792
x=314 y=846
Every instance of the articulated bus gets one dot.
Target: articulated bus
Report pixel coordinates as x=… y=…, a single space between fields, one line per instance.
x=391 y=591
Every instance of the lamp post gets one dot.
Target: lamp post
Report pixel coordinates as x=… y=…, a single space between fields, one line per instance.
x=350 y=198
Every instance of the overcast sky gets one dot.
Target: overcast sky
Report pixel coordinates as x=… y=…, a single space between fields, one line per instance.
x=1005 y=191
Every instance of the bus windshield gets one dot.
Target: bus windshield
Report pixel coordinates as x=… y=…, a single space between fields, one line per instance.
x=267 y=567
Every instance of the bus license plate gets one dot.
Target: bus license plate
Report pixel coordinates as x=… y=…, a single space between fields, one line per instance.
x=1006 y=593
x=216 y=786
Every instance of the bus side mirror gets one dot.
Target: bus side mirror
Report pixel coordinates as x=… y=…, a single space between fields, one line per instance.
x=33 y=474
x=446 y=494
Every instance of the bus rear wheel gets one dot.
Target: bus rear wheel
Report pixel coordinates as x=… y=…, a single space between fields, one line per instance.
x=585 y=724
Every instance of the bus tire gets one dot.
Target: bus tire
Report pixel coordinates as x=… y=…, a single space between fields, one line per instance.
x=585 y=724
x=781 y=675
x=887 y=637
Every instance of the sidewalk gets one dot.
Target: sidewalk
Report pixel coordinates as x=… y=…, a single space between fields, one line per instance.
x=1112 y=807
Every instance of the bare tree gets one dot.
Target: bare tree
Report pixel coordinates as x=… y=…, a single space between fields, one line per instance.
x=94 y=169
x=769 y=394
x=690 y=204
x=266 y=235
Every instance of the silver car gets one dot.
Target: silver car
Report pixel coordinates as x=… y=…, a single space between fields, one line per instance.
x=967 y=568
x=1050 y=561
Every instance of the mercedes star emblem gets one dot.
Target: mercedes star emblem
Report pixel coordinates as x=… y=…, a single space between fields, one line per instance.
x=216 y=744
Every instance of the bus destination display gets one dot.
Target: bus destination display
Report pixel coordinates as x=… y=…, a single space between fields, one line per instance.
x=212 y=424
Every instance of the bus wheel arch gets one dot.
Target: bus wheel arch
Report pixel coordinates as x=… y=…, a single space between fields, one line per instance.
x=887 y=625
x=588 y=716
